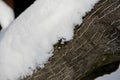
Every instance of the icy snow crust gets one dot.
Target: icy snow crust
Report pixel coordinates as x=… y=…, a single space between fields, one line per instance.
x=28 y=42
x=6 y=14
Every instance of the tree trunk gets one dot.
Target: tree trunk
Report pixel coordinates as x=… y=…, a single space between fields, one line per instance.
x=96 y=43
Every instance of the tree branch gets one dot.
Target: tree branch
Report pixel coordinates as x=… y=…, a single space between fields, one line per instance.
x=96 y=43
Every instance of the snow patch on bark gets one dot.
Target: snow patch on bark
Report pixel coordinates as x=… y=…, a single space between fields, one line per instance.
x=28 y=42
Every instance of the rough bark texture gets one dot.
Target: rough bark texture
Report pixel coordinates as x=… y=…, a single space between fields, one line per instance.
x=96 y=43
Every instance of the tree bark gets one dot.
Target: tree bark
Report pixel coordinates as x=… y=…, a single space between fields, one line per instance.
x=96 y=43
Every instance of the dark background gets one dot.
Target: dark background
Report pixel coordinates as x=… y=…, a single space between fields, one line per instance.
x=21 y=5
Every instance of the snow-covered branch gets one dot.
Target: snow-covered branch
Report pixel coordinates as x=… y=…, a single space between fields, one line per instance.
x=28 y=42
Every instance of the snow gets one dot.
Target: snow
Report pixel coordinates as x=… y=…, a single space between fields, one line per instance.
x=113 y=76
x=6 y=14
x=28 y=42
